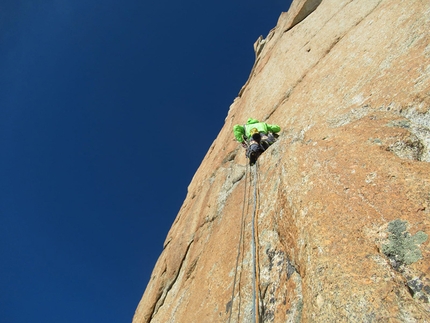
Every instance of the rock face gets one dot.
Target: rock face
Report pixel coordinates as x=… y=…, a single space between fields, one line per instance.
x=340 y=203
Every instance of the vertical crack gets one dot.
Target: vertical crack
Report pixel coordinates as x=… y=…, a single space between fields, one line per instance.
x=329 y=49
x=162 y=297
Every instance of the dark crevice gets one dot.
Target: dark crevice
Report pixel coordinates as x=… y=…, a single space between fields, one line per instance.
x=160 y=301
x=307 y=8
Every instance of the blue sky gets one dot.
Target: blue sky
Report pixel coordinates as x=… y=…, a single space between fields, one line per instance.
x=107 y=109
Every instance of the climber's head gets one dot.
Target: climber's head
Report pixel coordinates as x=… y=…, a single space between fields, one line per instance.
x=255 y=135
x=254 y=131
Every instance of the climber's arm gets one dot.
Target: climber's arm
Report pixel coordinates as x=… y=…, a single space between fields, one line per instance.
x=273 y=128
x=239 y=132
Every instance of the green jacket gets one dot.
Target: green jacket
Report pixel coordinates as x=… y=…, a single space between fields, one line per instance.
x=241 y=131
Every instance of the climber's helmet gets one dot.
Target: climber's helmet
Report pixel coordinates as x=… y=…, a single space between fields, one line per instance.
x=255 y=134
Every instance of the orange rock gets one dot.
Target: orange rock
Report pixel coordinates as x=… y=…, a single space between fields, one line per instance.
x=349 y=84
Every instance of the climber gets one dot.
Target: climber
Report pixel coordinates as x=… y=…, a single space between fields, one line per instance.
x=255 y=137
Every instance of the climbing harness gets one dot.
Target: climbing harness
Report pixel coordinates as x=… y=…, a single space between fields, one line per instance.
x=257 y=144
x=256 y=313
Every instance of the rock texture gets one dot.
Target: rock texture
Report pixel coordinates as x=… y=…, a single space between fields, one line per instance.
x=342 y=199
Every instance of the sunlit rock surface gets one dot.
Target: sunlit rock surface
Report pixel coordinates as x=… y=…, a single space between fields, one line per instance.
x=342 y=198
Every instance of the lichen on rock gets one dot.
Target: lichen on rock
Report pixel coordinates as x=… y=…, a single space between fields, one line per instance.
x=402 y=247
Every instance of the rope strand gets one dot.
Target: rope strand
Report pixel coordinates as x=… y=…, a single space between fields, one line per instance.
x=240 y=243
x=255 y=298
x=257 y=256
x=255 y=295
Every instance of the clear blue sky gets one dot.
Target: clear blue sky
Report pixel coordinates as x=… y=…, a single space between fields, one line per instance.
x=107 y=109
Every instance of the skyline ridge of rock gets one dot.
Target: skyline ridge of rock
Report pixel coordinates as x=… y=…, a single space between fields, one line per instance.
x=342 y=198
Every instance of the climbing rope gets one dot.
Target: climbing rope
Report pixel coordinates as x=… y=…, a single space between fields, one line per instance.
x=242 y=224
x=256 y=274
x=254 y=262
x=255 y=294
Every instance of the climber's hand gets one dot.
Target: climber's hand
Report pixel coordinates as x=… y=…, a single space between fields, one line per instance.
x=244 y=145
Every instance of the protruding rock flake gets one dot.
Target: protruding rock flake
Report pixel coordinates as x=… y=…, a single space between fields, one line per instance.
x=340 y=203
